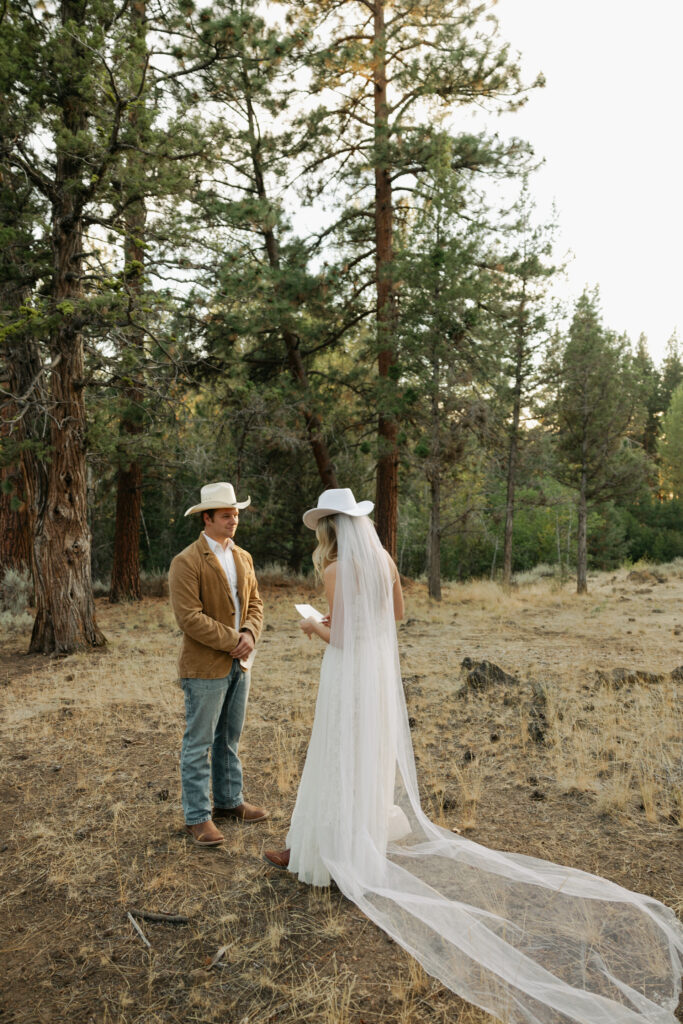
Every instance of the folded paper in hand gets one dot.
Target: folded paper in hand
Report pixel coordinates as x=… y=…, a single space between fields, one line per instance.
x=307 y=611
x=246 y=663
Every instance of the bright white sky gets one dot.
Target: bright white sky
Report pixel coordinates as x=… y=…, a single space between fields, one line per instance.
x=609 y=126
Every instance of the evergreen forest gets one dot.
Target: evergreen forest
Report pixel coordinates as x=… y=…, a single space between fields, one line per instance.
x=244 y=241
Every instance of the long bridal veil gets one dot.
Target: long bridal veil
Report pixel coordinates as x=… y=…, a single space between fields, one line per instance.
x=529 y=941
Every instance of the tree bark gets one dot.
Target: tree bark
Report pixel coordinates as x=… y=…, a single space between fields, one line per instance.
x=511 y=474
x=65 y=615
x=125 y=571
x=386 y=503
x=434 y=477
x=22 y=371
x=434 y=543
x=581 y=546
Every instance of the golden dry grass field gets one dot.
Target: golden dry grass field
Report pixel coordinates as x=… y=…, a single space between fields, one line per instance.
x=567 y=762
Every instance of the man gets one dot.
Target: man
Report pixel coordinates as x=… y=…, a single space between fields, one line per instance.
x=215 y=599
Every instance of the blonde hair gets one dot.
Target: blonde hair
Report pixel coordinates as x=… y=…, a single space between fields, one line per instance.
x=326 y=551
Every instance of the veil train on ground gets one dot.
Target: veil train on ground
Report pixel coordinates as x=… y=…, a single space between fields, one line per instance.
x=529 y=941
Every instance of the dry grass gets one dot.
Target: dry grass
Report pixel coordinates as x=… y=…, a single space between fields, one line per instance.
x=92 y=824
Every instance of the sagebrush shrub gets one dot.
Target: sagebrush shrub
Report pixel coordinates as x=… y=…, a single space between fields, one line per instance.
x=15 y=591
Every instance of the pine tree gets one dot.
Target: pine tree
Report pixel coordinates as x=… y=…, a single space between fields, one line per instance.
x=443 y=348
x=125 y=572
x=670 y=444
x=267 y=308
x=650 y=385
x=597 y=401
x=520 y=309
x=386 y=70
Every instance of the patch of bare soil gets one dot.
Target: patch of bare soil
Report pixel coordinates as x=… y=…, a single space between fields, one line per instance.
x=561 y=758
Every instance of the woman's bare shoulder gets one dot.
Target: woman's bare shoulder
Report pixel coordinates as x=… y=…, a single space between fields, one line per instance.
x=330 y=571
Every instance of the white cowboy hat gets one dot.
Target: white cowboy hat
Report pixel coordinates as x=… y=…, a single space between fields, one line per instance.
x=220 y=495
x=336 y=501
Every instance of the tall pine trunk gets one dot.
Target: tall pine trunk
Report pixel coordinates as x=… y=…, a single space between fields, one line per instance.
x=125 y=571
x=581 y=544
x=511 y=478
x=434 y=477
x=65 y=612
x=23 y=380
x=434 y=542
x=386 y=503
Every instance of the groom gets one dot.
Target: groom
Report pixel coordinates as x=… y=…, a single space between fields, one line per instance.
x=215 y=599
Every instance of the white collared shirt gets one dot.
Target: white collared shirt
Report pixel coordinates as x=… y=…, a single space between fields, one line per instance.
x=226 y=560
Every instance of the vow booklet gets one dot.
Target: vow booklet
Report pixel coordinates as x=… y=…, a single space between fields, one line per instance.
x=307 y=611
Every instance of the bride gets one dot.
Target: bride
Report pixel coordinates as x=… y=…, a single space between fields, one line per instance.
x=528 y=941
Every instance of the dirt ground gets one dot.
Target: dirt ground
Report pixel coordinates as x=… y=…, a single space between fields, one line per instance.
x=563 y=759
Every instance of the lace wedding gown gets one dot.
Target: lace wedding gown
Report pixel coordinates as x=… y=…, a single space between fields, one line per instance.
x=529 y=941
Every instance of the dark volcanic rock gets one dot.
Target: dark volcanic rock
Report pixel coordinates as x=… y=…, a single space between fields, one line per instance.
x=538 y=723
x=619 y=677
x=482 y=675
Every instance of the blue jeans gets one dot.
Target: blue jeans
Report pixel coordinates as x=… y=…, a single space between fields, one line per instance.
x=214 y=716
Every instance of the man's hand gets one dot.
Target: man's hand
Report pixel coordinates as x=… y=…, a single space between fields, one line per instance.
x=244 y=647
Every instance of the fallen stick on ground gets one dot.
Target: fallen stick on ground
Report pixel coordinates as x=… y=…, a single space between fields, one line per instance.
x=149 y=915
x=139 y=930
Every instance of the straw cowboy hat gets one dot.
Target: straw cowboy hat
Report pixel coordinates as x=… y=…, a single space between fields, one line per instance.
x=336 y=501
x=220 y=495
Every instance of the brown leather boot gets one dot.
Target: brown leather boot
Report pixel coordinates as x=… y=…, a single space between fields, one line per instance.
x=277 y=858
x=205 y=834
x=247 y=813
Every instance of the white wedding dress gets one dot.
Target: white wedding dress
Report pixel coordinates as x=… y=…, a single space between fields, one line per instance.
x=529 y=941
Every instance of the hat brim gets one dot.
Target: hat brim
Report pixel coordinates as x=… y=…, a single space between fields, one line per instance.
x=363 y=508
x=205 y=506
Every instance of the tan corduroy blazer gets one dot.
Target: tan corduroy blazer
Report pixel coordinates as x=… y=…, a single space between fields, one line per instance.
x=204 y=609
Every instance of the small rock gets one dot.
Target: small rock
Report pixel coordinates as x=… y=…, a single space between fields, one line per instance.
x=482 y=675
x=620 y=677
x=412 y=722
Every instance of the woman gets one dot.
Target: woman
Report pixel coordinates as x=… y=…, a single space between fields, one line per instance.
x=529 y=941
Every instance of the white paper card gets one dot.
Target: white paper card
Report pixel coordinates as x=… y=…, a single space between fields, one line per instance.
x=246 y=663
x=307 y=611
